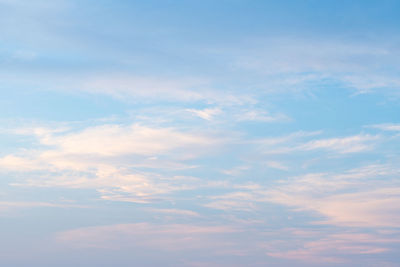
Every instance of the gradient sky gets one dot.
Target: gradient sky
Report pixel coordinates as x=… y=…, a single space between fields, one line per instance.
x=200 y=133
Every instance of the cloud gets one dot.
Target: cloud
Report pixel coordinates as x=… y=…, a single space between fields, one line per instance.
x=296 y=64
x=351 y=144
x=206 y=114
x=387 y=127
x=277 y=165
x=260 y=116
x=238 y=114
x=16 y=163
x=133 y=88
x=236 y=170
x=12 y=205
x=312 y=246
x=235 y=201
x=175 y=212
x=173 y=237
x=122 y=86
x=364 y=197
x=337 y=247
x=230 y=205
x=112 y=140
x=361 y=197
x=120 y=162
x=300 y=142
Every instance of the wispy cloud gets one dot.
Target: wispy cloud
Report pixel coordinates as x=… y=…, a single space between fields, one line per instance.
x=260 y=116
x=361 y=197
x=387 y=127
x=108 y=158
x=277 y=165
x=206 y=114
x=318 y=247
x=294 y=64
x=132 y=88
x=351 y=144
x=122 y=86
x=175 y=212
x=173 y=237
x=300 y=141
x=12 y=205
x=266 y=139
x=366 y=197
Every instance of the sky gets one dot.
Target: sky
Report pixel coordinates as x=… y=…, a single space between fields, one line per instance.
x=199 y=133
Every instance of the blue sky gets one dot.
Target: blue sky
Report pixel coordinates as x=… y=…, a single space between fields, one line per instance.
x=199 y=133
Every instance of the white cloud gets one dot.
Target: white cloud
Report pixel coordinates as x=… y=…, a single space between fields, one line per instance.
x=366 y=197
x=238 y=200
x=260 y=115
x=175 y=212
x=277 y=165
x=134 y=88
x=122 y=86
x=206 y=114
x=387 y=127
x=236 y=170
x=112 y=140
x=351 y=144
x=108 y=158
x=317 y=246
x=362 y=197
x=12 y=205
x=174 y=237
x=300 y=142
x=16 y=163
x=293 y=64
